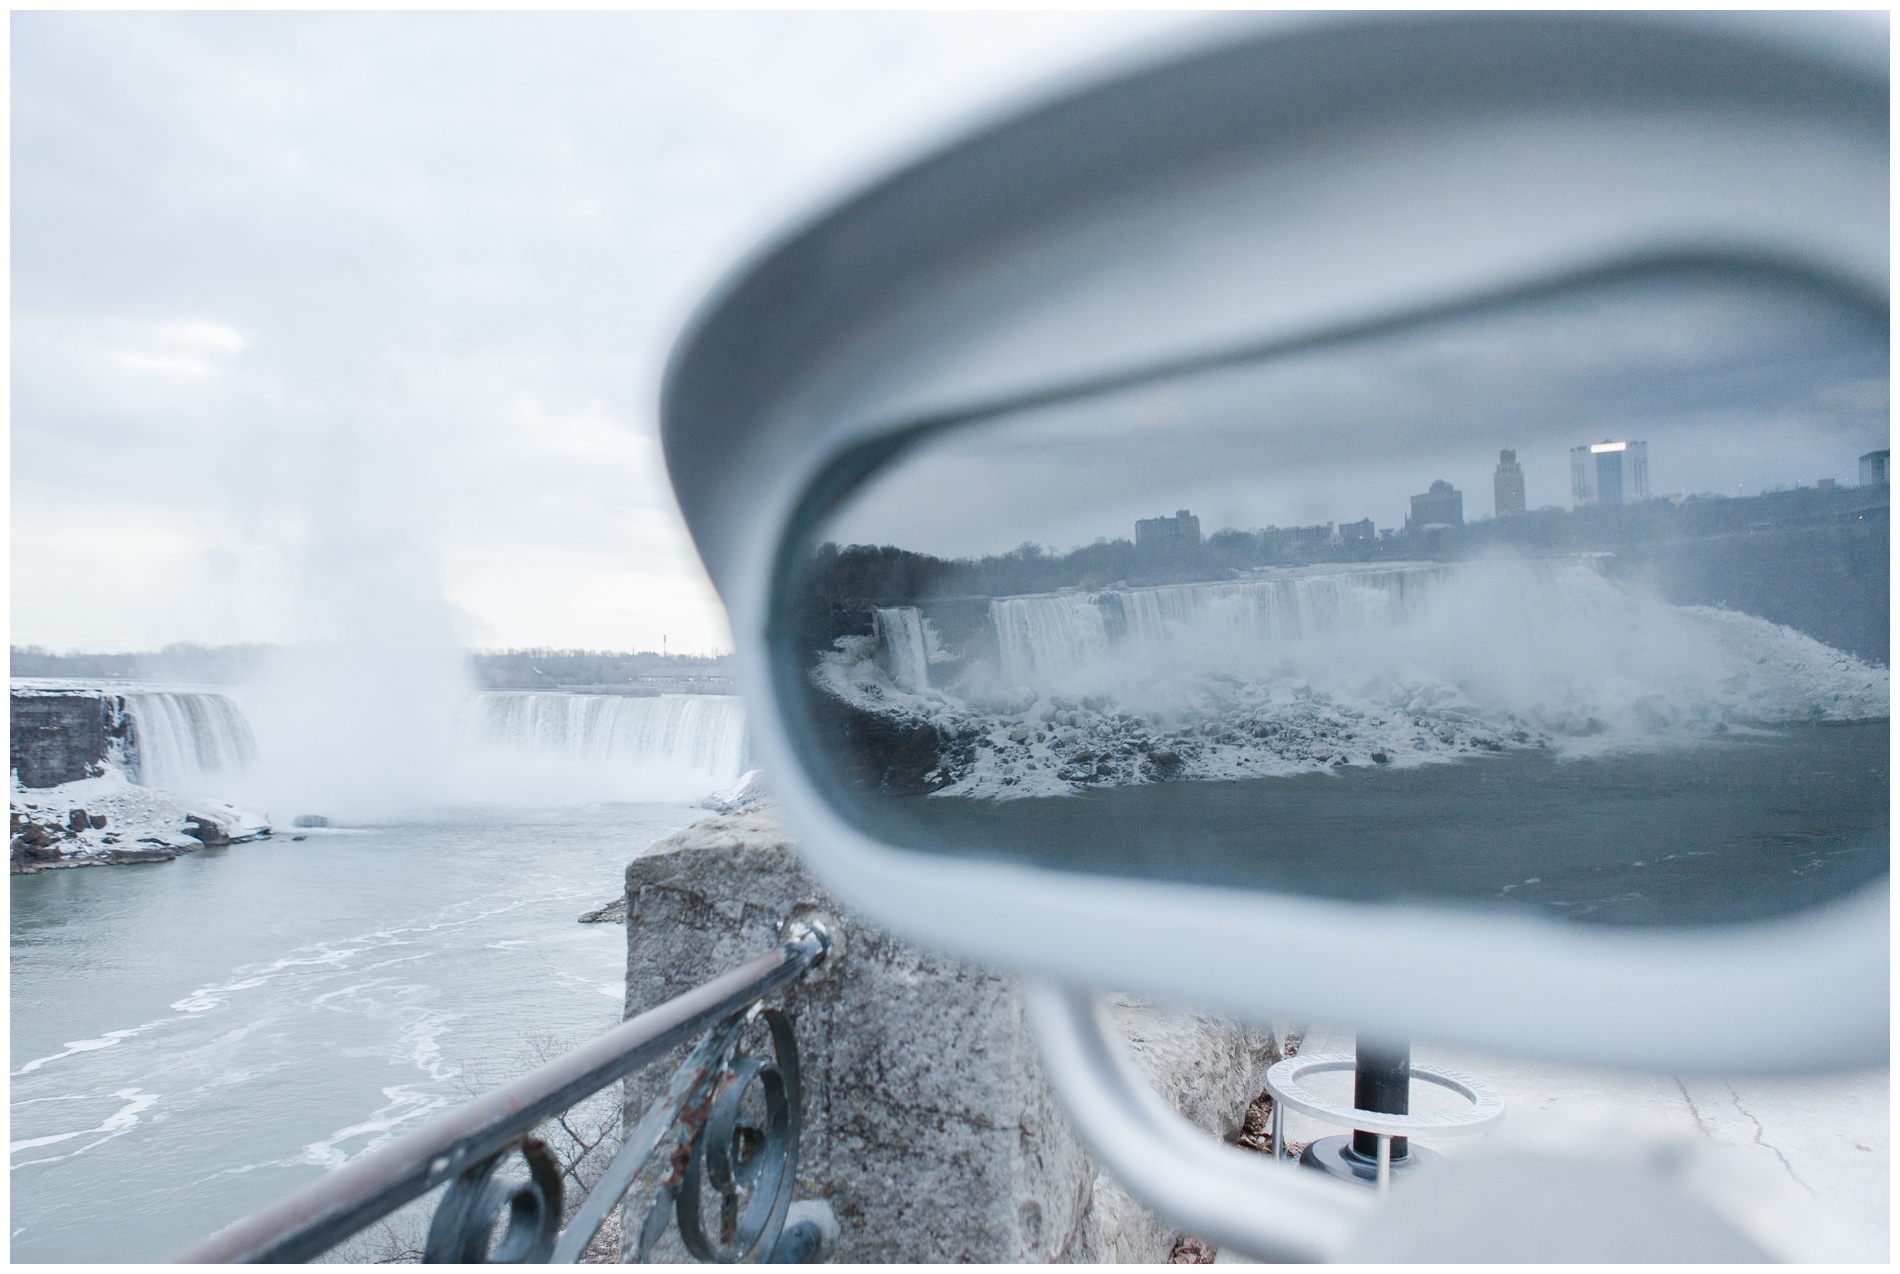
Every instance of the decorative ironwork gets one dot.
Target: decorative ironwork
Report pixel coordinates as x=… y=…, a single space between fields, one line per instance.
x=749 y=1165
x=459 y=1233
x=739 y=1149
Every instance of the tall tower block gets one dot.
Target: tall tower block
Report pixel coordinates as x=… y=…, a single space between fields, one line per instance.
x=1507 y=484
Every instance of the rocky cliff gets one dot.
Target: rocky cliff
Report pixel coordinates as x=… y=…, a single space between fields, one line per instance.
x=62 y=737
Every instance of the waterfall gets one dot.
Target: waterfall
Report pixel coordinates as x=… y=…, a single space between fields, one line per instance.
x=703 y=733
x=1273 y=611
x=1037 y=637
x=1291 y=670
x=184 y=741
x=1054 y=636
x=903 y=651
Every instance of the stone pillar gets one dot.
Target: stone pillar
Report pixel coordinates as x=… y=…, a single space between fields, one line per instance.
x=928 y=1124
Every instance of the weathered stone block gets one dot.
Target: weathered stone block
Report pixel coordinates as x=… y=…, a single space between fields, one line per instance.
x=928 y=1124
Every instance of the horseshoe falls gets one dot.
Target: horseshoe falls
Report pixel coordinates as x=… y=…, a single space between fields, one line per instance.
x=704 y=735
x=187 y=741
x=503 y=747
x=261 y=1012
x=191 y=741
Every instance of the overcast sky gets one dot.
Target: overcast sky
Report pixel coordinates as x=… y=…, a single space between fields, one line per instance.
x=1739 y=382
x=324 y=322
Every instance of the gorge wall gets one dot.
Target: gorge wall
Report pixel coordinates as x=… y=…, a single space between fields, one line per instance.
x=62 y=738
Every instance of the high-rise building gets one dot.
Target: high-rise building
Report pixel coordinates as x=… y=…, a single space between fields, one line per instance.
x=1873 y=469
x=1302 y=540
x=1167 y=535
x=1610 y=473
x=1507 y=484
x=1359 y=532
x=1441 y=505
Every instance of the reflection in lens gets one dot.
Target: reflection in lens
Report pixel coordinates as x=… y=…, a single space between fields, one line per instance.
x=1649 y=686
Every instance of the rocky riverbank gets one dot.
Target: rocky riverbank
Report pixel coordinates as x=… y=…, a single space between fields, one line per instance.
x=107 y=821
x=93 y=771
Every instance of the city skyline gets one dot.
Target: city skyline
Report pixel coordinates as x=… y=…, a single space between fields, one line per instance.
x=1738 y=385
x=1509 y=482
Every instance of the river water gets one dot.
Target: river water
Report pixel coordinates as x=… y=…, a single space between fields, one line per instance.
x=1766 y=825
x=192 y=1039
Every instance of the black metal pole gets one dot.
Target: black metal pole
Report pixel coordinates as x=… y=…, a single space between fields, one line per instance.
x=1381 y=1081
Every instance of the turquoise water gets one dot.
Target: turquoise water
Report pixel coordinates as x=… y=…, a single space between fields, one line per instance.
x=192 y=1039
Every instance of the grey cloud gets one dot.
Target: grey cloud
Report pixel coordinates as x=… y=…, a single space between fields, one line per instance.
x=328 y=296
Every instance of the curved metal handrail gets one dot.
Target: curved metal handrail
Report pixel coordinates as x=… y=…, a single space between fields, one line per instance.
x=465 y=1144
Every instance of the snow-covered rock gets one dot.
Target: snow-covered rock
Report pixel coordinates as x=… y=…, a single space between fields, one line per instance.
x=123 y=823
x=741 y=796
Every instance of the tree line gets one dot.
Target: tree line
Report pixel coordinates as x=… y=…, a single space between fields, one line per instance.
x=522 y=669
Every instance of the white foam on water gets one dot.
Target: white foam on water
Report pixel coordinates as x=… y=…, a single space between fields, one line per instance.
x=404 y=1106
x=74 y=1047
x=117 y=1124
x=311 y=1049
x=318 y=956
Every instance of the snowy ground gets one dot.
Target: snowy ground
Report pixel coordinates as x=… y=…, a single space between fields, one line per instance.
x=1827 y=1136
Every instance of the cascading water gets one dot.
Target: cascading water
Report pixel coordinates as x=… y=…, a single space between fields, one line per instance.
x=1039 y=637
x=1317 y=667
x=906 y=653
x=187 y=741
x=702 y=733
x=1044 y=640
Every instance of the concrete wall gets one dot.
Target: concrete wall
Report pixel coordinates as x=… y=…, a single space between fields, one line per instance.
x=928 y=1124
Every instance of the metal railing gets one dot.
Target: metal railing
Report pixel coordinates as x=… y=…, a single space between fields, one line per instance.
x=748 y=1164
